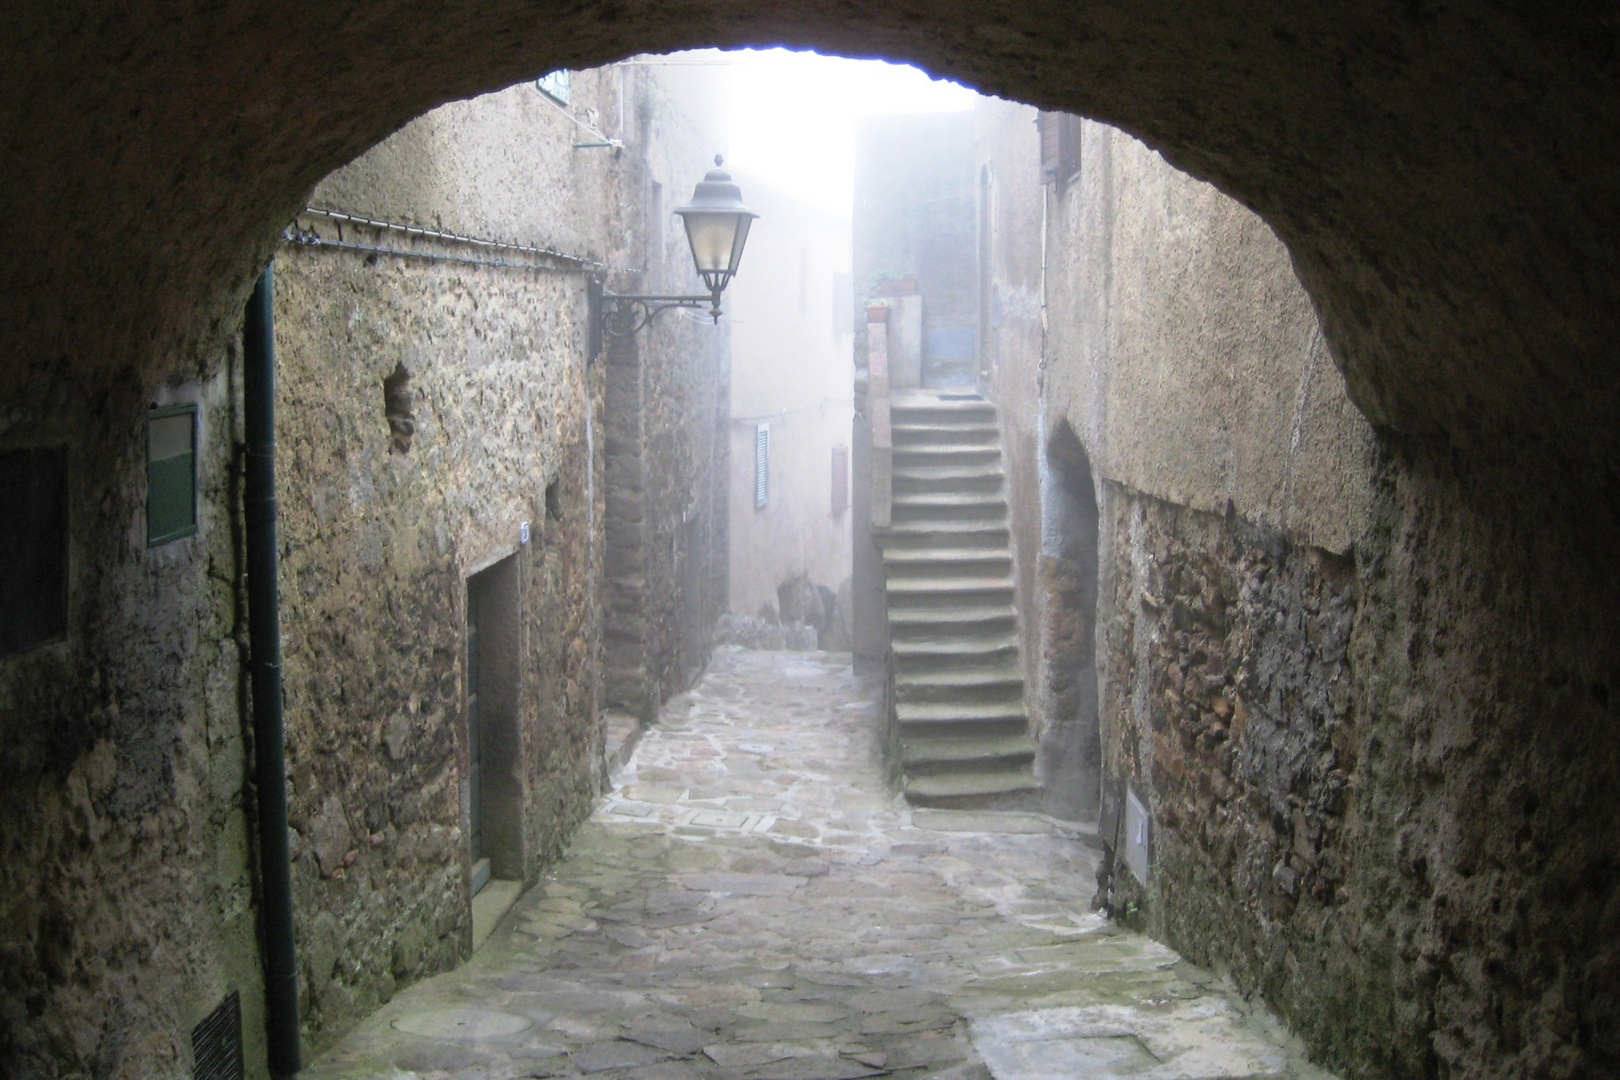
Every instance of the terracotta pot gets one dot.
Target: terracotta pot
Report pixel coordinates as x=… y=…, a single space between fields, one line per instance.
x=877 y=313
x=906 y=286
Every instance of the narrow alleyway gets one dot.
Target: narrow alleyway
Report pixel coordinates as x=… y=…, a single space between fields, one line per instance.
x=750 y=901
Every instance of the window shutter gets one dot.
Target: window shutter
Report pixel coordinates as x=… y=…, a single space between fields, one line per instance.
x=556 y=85
x=762 y=465
x=840 y=480
x=1060 y=147
x=171 y=474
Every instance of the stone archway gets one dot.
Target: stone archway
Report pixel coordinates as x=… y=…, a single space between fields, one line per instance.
x=1439 y=175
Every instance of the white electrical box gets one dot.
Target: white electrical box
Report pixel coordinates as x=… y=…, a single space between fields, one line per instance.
x=1138 y=836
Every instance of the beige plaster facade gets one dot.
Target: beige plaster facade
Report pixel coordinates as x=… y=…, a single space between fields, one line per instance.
x=1188 y=357
x=791 y=367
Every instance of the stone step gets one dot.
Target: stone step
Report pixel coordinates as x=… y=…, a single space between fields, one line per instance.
x=960 y=715
x=1000 y=789
x=971 y=753
x=952 y=623
x=948 y=478
x=939 y=420
x=923 y=534
x=913 y=509
x=950 y=401
x=967 y=434
x=932 y=562
x=948 y=592
x=980 y=415
x=953 y=653
x=625 y=687
x=975 y=686
x=908 y=456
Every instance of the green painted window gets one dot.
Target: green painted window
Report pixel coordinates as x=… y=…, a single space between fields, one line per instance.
x=171 y=473
x=555 y=85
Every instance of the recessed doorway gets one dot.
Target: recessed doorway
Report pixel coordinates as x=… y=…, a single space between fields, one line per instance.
x=494 y=783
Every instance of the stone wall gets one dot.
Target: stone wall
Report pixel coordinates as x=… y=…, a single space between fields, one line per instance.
x=682 y=375
x=1353 y=681
x=380 y=544
x=393 y=522
x=1356 y=807
x=127 y=915
x=429 y=409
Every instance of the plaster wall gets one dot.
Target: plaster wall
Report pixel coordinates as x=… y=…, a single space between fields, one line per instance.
x=1188 y=357
x=1010 y=220
x=791 y=367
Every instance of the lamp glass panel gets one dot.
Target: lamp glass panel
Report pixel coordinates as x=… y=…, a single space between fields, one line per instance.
x=711 y=237
x=743 y=221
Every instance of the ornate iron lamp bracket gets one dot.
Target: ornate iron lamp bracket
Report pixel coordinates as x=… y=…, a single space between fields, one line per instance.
x=624 y=314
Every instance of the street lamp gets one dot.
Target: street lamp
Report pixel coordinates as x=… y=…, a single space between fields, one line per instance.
x=716 y=229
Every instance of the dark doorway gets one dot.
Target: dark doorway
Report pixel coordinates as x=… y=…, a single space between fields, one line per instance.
x=494 y=779
x=1071 y=746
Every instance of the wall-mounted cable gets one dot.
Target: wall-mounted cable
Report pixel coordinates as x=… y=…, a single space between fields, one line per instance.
x=308 y=238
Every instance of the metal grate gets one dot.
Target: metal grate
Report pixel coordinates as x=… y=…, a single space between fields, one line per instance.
x=216 y=1043
x=762 y=465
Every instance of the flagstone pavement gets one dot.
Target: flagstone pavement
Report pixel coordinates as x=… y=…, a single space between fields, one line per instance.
x=750 y=901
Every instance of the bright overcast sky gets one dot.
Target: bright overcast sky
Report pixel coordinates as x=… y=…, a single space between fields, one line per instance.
x=793 y=116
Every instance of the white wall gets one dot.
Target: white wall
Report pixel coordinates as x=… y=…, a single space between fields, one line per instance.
x=792 y=366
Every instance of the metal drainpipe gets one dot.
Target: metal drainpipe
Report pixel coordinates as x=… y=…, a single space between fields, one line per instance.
x=264 y=668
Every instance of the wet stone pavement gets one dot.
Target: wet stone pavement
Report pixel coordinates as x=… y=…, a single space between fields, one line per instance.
x=751 y=902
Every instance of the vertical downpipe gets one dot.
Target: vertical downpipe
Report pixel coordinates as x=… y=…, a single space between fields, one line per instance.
x=264 y=668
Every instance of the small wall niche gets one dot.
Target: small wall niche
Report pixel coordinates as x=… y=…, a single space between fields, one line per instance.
x=554 y=503
x=399 y=408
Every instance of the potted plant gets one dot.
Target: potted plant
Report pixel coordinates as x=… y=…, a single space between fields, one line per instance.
x=894 y=283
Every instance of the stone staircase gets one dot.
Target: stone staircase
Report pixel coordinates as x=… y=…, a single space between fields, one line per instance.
x=960 y=734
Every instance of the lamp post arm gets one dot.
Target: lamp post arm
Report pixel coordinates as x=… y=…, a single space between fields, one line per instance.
x=623 y=314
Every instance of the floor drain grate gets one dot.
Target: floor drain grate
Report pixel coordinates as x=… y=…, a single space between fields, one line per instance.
x=216 y=1043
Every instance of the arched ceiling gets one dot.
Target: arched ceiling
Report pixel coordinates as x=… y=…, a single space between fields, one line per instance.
x=1444 y=173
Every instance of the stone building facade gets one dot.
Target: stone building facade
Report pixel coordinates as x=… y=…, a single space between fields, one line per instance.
x=1216 y=522
x=665 y=410
x=1195 y=510
x=450 y=452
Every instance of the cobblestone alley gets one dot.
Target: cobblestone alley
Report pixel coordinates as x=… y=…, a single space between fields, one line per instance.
x=750 y=901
